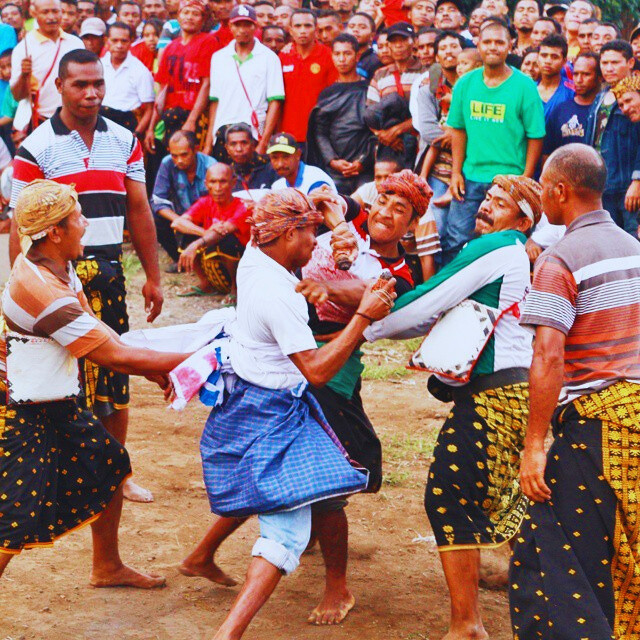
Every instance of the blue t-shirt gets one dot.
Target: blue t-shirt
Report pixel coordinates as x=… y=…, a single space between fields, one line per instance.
x=567 y=122
x=564 y=92
x=8 y=37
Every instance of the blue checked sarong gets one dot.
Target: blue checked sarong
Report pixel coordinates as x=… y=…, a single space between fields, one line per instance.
x=267 y=450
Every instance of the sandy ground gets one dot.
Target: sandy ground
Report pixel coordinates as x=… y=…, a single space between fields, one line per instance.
x=394 y=570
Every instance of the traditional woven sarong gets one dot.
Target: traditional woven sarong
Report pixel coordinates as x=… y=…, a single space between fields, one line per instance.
x=104 y=285
x=59 y=468
x=219 y=263
x=267 y=450
x=575 y=570
x=473 y=496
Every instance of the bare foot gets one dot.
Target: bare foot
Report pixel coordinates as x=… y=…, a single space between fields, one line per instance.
x=467 y=632
x=127 y=577
x=333 y=608
x=444 y=200
x=210 y=571
x=136 y=493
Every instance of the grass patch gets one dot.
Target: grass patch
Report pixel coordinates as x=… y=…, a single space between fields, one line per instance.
x=375 y=371
x=130 y=264
x=402 y=448
x=395 y=478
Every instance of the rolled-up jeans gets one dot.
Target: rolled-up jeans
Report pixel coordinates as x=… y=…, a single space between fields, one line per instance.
x=283 y=538
x=461 y=223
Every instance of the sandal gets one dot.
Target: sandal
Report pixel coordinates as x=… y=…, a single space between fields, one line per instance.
x=196 y=292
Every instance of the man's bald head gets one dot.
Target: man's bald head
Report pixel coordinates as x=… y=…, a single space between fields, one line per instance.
x=573 y=181
x=579 y=166
x=219 y=182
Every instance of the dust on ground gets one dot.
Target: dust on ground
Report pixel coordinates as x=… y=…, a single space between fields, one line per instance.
x=394 y=570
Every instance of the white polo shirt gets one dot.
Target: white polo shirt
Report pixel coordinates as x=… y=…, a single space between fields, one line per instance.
x=308 y=179
x=271 y=324
x=262 y=77
x=128 y=86
x=42 y=51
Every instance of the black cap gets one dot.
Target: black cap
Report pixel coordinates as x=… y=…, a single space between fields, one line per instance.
x=283 y=142
x=403 y=29
x=457 y=3
x=555 y=7
x=634 y=34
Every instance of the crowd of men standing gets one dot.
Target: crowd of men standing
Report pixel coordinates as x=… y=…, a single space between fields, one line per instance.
x=173 y=119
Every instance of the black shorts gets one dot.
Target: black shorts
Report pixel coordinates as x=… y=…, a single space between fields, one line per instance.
x=104 y=285
x=59 y=469
x=354 y=430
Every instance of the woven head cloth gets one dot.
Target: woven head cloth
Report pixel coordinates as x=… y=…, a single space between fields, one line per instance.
x=630 y=83
x=279 y=211
x=407 y=184
x=40 y=206
x=197 y=4
x=526 y=193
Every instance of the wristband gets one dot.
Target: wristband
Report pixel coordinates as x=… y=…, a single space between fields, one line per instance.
x=365 y=316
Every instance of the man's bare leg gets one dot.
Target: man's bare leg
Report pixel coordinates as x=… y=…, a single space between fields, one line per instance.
x=332 y=530
x=262 y=579
x=5 y=558
x=200 y=562
x=108 y=569
x=116 y=424
x=462 y=572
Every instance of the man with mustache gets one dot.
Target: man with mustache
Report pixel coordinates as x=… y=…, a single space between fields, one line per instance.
x=473 y=498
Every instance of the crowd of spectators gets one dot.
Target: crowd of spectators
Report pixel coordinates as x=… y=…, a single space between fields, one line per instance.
x=331 y=92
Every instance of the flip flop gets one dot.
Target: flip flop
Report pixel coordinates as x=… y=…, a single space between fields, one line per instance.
x=196 y=292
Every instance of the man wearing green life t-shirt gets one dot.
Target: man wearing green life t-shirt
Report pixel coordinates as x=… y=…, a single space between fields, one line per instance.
x=497 y=124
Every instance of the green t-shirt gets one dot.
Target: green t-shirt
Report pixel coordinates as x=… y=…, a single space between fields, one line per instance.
x=498 y=122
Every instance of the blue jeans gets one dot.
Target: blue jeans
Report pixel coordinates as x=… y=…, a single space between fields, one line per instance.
x=614 y=204
x=283 y=537
x=461 y=223
x=441 y=214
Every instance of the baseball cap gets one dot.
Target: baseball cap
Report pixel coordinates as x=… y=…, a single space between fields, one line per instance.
x=634 y=34
x=283 y=142
x=401 y=29
x=460 y=6
x=554 y=7
x=93 y=27
x=243 y=12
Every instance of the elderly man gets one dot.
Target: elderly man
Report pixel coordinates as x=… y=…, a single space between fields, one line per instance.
x=60 y=468
x=219 y=223
x=473 y=498
x=627 y=93
x=179 y=183
x=333 y=295
x=578 y=546
x=250 y=170
x=285 y=456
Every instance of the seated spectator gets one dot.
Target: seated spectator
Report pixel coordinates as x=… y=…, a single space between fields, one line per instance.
x=367 y=193
x=147 y=49
x=363 y=28
x=93 y=34
x=553 y=88
x=339 y=141
x=274 y=37
x=250 y=170
x=179 y=183
x=219 y=223
x=530 y=66
x=128 y=83
x=388 y=96
x=286 y=159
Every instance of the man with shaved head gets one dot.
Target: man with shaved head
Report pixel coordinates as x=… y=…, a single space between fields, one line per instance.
x=578 y=545
x=219 y=223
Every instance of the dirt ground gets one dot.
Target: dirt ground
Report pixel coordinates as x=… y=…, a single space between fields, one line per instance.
x=394 y=569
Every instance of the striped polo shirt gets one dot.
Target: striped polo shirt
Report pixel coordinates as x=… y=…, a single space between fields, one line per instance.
x=41 y=299
x=587 y=285
x=55 y=152
x=390 y=80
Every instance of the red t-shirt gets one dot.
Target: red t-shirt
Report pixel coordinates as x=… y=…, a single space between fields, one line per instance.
x=222 y=37
x=303 y=82
x=182 y=68
x=205 y=211
x=144 y=54
x=393 y=12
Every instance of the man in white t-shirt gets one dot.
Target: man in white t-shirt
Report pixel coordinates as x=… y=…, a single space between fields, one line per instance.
x=268 y=449
x=286 y=159
x=128 y=83
x=246 y=83
x=35 y=61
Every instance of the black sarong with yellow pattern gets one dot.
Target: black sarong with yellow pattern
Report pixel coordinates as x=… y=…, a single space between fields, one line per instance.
x=575 y=571
x=473 y=496
x=59 y=468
